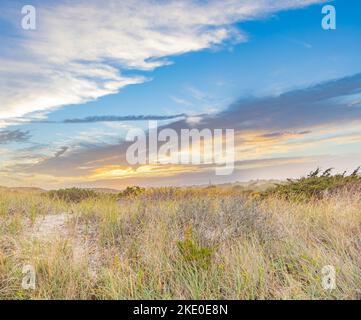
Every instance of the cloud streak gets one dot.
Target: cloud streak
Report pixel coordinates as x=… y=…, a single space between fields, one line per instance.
x=9 y=136
x=61 y=152
x=123 y=118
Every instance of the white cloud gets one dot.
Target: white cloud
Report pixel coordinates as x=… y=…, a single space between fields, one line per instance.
x=81 y=48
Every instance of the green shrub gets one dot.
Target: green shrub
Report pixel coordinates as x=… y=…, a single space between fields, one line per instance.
x=314 y=186
x=72 y=194
x=197 y=256
x=131 y=192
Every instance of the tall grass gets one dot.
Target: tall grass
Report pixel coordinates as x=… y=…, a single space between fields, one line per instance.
x=183 y=244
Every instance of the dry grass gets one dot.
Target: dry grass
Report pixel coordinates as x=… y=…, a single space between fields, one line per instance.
x=171 y=244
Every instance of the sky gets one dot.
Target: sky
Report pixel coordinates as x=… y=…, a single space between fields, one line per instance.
x=73 y=88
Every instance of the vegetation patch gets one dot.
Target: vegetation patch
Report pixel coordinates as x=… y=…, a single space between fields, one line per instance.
x=131 y=192
x=233 y=248
x=194 y=254
x=75 y=195
x=315 y=186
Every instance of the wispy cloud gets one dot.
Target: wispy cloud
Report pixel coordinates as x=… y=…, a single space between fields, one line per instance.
x=93 y=119
x=283 y=134
x=8 y=136
x=181 y=101
x=61 y=151
x=123 y=118
x=324 y=103
x=299 y=42
x=81 y=48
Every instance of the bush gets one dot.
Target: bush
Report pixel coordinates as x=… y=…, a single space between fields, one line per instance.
x=197 y=256
x=72 y=194
x=314 y=186
x=131 y=192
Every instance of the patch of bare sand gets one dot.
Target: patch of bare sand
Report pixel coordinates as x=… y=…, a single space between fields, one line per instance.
x=65 y=227
x=50 y=227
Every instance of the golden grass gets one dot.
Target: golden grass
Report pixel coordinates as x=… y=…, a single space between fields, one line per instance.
x=259 y=249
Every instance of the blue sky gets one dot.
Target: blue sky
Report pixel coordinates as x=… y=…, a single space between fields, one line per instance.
x=203 y=62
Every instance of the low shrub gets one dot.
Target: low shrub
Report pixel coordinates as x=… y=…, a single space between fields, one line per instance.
x=315 y=186
x=72 y=194
x=192 y=253
x=131 y=192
